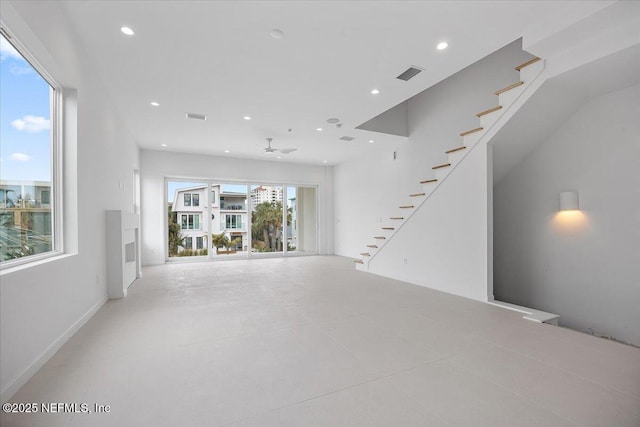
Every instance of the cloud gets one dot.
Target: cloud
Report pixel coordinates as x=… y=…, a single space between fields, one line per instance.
x=17 y=70
x=31 y=124
x=20 y=157
x=8 y=51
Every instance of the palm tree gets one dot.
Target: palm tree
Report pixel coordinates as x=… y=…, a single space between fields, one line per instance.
x=219 y=240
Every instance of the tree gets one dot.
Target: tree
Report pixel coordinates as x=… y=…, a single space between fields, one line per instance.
x=176 y=239
x=267 y=224
x=219 y=240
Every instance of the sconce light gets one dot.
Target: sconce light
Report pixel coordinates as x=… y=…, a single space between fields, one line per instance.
x=569 y=201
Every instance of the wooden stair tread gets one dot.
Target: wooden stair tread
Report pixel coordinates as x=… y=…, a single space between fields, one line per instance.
x=397 y=217
x=388 y=228
x=417 y=194
x=406 y=207
x=505 y=89
x=427 y=181
x=358 y=261
x=372 y=246
x=453 y=150
x=490 y=110
x=468 y=132
x=379 y=237
x=444 y=165
x=526 y=64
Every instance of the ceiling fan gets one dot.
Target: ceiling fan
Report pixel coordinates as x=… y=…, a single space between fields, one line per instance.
x=270 y=150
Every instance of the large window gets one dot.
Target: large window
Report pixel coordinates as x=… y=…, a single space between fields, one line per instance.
x=190 y=221
x=233 y=222
x=28 y=148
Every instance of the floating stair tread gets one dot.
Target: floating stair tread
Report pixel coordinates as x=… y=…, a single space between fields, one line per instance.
x=444 y=165
x=526 y=64
x=397 y=217
x=428 y=181
x=379 y=237
x=505 y=89
x=372 y=246
x=388 y=228
x=468 y=132
x=453 y=150
x=365 y=254
x=406 y=207
x=489 y=111
x=358 y=261
x=417 y=194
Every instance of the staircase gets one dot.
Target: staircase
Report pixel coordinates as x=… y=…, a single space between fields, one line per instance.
x=507 y=96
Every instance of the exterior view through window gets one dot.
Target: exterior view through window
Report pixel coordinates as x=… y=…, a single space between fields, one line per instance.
x=226 y=220
x=26 y=153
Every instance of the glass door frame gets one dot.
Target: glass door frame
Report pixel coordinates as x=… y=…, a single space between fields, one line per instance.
x=249 y=255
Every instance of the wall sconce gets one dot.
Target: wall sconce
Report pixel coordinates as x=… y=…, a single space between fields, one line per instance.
x=569 y=201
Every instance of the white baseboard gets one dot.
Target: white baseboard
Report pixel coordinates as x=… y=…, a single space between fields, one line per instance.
x=17 y=383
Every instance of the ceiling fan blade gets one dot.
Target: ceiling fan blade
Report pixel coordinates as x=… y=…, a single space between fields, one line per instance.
x=287 y=150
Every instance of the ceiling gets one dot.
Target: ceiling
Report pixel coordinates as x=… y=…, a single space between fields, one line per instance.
x=219 y=59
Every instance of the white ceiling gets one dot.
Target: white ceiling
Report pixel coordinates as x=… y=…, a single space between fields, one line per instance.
x=218 y=59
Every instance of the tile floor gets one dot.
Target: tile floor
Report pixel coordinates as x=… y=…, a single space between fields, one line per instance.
x=313 y=342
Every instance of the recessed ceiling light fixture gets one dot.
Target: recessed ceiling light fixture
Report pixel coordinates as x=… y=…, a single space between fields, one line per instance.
x=375 y=91
x=324 y=161
x=371 y=141
x=127 y=31
x=277 y=34
x=226 y=151
x=442 y=45
x=333 y=120
x=164 y=145
x=319 y=129
x=155 y=104
x=247 y=118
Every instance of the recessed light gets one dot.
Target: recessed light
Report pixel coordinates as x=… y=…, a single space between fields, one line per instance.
x=164 y=145
x=333 y=120
x=277 y=34
x=128 y=31
x=155 y=104
x=375 y=91
x=247 y=118
x=226 y=151
x=324 y=161
x=319 y=129
x=279 y=157
x=371 y=141
x=442 y=45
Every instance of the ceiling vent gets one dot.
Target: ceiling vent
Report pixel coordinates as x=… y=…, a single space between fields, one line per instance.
x=196 y=116
x=347 y=138
x=410 y=73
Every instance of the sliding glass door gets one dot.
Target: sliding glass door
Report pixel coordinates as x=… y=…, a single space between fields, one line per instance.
x=222 y=220
x=302 y=220
x=267 y=222
x=187 y=228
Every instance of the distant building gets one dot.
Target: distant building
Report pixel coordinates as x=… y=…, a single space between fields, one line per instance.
x=25 y=216
x=266 y=193
x=228 y=215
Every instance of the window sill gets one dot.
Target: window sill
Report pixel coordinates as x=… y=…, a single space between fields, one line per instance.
x=54 y=257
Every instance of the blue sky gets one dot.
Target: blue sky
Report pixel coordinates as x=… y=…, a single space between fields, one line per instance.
x=25 y=150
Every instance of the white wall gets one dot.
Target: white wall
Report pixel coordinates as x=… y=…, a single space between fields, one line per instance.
x=156 y=165
x=41 y=305
x=583 y=267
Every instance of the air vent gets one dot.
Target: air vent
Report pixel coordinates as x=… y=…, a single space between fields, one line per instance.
x=347 y=138
x=196 y=116
x=410 y=73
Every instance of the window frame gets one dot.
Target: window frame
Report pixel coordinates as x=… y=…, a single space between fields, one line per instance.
x=56 y=134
